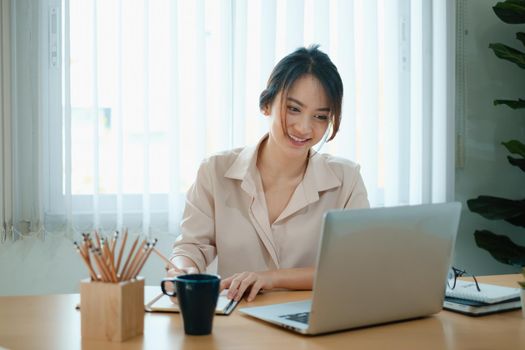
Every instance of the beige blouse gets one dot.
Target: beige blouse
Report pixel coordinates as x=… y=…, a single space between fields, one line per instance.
x=226 y=214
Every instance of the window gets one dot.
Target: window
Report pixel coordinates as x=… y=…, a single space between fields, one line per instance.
x=143 y=90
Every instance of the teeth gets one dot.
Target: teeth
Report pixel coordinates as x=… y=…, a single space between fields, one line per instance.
x=297 y=139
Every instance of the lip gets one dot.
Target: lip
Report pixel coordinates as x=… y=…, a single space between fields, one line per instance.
x=298 y=143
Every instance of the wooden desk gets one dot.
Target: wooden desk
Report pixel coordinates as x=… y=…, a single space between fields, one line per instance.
x=51 y=322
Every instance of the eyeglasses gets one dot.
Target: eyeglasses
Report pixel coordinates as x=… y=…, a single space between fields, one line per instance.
x=453 y=275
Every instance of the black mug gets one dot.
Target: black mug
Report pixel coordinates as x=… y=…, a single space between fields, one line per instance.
x=197 y=296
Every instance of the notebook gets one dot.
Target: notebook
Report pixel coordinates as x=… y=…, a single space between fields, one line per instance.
x=476 y=308
x=163 y=303
x=374 y=266
x=489 y=293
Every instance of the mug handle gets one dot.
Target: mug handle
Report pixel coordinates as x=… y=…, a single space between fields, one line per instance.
x=162 y=286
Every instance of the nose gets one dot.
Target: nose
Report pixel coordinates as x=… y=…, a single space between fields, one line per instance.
x=302 y=125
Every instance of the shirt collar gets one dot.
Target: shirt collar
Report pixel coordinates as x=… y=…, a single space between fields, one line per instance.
x=245 y=162
x=245 y=168
x=318 y=176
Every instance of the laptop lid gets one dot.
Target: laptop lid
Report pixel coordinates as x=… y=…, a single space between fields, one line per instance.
x=382 y=264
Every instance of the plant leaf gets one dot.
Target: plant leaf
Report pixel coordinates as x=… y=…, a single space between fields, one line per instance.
x=495 y=208
x=515 y=147
x=521 y=37
x=511 y=11
x=519 y=162
x=517 y=221
x=508 y=53
x=500 y=247
x=511 y=103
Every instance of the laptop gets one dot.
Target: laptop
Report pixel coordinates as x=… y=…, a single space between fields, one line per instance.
x=374 y=266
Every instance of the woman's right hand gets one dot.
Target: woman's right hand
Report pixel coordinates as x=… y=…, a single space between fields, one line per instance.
x=173 y=271
x=177 y=271
x=181 y=265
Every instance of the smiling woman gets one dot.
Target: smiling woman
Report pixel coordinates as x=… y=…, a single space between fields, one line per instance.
x=276 y=192
x=117 y=101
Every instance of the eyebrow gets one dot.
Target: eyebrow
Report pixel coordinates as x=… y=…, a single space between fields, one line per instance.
x=324 y=109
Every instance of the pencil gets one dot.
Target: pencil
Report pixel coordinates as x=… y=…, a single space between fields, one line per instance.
x=156 y=251
x=107 y=266
x=152 y=245
x=97 y=239
x=100 y=264
x=109 y=260
x=130 y=254
x=102 y=248
x=140 y=260
x=85 y=247
x=101 y=268
x=122 y=246
x=113 y=244
x=135 y=260
x=92 y=273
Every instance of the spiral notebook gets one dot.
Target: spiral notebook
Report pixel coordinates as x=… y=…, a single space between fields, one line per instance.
x=489 y=294
x=163 y=303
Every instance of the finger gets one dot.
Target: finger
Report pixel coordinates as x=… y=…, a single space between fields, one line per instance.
x=169 y=286
x=174 y=272
x=255 y=290
x=225 y=283
x=247 y=282
x=236 y=281
x=232 y=290
x=190 y=270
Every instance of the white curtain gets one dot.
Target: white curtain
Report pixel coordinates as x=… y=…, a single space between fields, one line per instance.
x=6 y=195
x=135 y=93
x=21 y=114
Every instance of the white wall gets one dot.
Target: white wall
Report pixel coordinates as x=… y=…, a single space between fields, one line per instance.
x=486 y=170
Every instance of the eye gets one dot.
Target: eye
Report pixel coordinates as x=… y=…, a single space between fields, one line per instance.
x=293 y=109
x=321 y=117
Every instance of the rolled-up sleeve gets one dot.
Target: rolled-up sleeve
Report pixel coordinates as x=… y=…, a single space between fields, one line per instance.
x=197 y=238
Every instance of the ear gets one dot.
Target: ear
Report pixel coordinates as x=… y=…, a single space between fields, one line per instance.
x=266 y=110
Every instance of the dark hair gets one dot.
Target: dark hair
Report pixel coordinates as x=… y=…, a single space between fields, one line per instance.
x=303 y=61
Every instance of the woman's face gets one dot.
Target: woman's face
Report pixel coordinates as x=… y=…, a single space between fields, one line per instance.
x=307 y=117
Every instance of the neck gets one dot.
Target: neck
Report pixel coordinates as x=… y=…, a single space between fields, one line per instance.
x=272 y=162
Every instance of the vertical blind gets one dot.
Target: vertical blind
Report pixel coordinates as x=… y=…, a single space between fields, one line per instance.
x=148 y=88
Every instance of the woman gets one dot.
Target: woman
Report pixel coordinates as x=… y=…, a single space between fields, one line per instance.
x=259 y=209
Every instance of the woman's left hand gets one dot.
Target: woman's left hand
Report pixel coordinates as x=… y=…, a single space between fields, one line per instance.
x=239 y=283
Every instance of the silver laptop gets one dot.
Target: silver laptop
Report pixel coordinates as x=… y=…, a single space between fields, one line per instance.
x=374 y=266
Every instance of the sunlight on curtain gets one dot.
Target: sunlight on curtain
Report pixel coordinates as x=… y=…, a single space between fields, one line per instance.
x=153 y=87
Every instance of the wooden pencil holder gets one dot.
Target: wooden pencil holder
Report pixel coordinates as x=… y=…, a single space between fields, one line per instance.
x=112 y=311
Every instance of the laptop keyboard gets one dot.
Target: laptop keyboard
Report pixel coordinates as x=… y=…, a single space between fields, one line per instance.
x=301 y=317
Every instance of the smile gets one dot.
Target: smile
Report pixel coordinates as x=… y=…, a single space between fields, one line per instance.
x=298 y=141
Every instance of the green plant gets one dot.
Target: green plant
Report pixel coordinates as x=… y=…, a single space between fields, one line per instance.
x=499 y=246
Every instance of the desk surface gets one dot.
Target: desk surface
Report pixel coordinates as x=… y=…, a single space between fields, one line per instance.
x=51 y=322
